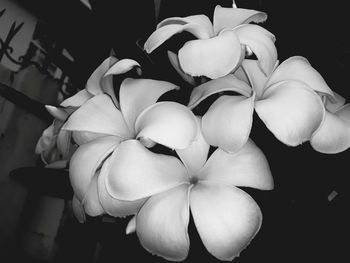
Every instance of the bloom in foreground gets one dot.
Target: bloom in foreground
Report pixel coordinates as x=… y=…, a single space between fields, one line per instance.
x=289 y=102
x=226 y=217
x=102 y=123
x=220 y=46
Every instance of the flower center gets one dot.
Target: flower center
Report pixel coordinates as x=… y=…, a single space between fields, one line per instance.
x=193 y=180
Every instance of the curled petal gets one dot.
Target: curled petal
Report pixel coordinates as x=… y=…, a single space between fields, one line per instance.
x=226 y=83
x=121 y=67
x=165 y=32
x=334 y=106
x=58 y=113
x=131 y=227
x=111 y=205
x=47 y=140
x=78 y=210
x=227 y=218
x=257 y=78
x=98 y=115
x=77 y=100
x=137 y=173
x=213 y=58
x=298 y=68
x=64 y=143
x=137 y=94
x=291 y=111
x=174 y=60
x=162 y=223
x=168 y=123
x=196 y=154
x=247 y=167
x=261 y=42
x=232 y=17
x=333 y=136
x=83 y=164
x=91 y=201
x=228 y=122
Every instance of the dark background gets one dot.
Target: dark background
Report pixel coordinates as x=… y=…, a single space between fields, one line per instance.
x=300 y=224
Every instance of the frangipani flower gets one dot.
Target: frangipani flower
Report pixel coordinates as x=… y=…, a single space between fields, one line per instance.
x=226 y=217
x=102 y=123
x=287 y=101
x=220 y=46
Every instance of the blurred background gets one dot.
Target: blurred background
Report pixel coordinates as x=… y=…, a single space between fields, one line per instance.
x=49 y=48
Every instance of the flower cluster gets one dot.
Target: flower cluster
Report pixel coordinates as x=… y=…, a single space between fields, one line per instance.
x=108 y=135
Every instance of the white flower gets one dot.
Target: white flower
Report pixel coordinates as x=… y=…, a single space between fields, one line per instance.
x=226 y=217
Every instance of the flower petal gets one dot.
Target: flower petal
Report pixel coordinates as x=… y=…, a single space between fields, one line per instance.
x=228 y=122
x=58 y=113
x=255 y=75
x=78 y=210
x=226 y=83
x=168 y=123
x=136 y=172
x=247 y=167
x=111 y=205
x=131 y=227
x=227 y=218
x=162 y=222
x=261 y=42
x=83 y=164
x=174 y=60
x=232 y=17
x=333 y=136
x=77 y=99
x=165 y=32
x=213 y=58
x=121 y=67
x=91 y=201
x=137 y=94
x=196 y=154
x=291 y=111
x=334 y=106
x=298 y=68
x=98 y=115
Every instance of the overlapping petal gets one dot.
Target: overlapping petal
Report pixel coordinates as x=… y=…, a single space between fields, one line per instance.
x=227 y=218
x=91 y=201
x=138 y=94
x=168 y=123
x=214 y=57
x=228 y=122
x=162 y=222
x=333 y=136
x=232 y=17
x=299 y=69
x=98 y=115
x=174 y=60
x=77 y=99
x=291 y=111
x=137 y=173
x=226 y=83
x=247 y=167
x=110 y=204
x=121 y=67
x=261 y=42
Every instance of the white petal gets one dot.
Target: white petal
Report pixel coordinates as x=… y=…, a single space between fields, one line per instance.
x=121 y=67
x=213 y=58
x=174 y=60
x=91 y=201
x=111 y=205
x=261 y=42
x=162 y=223
x=77 y=100
x=86 y=160
x=78 y=210
x=232 y=17
x=98 y=115
x=226 y=83
x=228 y=122
x=58 y=113
x=227 y=218
x=246 y=168
x=196 y=154
x=336 y=104
x=131 y=227
x=136 y=172
x=291 y=111
x=168 y=123
x=137 y=94
x=298 y=68
x=333 y=136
